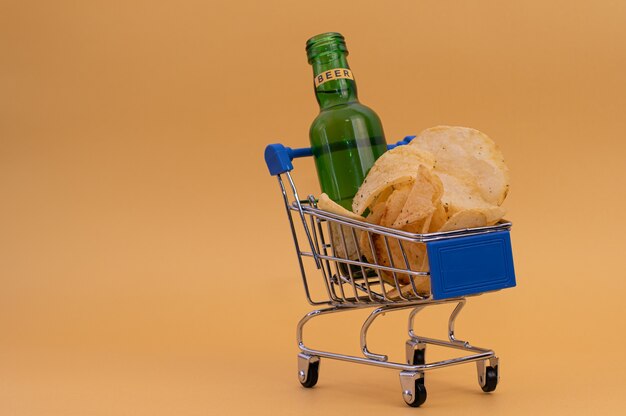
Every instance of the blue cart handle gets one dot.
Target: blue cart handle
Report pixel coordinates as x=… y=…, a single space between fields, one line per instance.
x=278 y=157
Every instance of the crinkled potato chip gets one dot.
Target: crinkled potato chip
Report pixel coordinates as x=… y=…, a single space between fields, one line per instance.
x=470 y=156
x=325 y=203
x=470 y=218
x=394 y=204
x=393 y=167
x=421 y=193
x=462 y=196
x=388 y=252
x=438 y=219
x=390 y=210
x=376 y=213
x=349 y=249
x=421 y=201
x=385 y=210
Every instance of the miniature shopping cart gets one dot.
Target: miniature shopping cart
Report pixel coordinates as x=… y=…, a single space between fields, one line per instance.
x=461 y=263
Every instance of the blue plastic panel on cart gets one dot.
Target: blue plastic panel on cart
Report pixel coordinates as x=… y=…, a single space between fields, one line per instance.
x=469 y=265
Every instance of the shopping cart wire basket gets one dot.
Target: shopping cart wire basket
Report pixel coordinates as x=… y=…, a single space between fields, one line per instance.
x=344 y=251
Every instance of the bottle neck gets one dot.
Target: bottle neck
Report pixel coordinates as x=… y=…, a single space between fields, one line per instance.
x=333 y=80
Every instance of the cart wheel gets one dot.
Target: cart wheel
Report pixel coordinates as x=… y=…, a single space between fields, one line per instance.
x=415 y=352
x=308 y=370
x=413 y=388
x=419 y=357
x=419 y=393
x=491 y=379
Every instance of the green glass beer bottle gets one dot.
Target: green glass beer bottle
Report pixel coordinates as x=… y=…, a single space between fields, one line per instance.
x=346 y=137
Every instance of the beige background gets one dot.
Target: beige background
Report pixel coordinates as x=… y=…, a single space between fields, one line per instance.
x=146 y=265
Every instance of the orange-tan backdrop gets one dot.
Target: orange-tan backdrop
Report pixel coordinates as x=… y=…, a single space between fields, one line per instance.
x=146 y=266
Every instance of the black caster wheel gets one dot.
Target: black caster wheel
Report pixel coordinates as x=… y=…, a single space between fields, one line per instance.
x=413 y=388
x=312 y=374
x=415 y=352
x=419 y=394
x=491 y=379
x=419 y=357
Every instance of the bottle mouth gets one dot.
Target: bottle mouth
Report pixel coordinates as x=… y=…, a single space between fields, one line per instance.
x=325 y=43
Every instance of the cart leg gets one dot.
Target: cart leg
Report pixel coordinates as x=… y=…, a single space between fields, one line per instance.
x=488 y=375
x=308 y=369
x=415 y=352
x=413 y=389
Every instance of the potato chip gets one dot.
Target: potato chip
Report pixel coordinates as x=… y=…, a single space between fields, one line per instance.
x=393 y=167
x=470 y=156
x=392 y=207
x=438 y=218
x=422 y=284
x=349 y=249
x=325 y=203
x=389 y=251
x=376 y=213
x=406 y=198
x=384 y=211
x=421 y=201
x=395 y=203
x=462 y=196
x=465 y=219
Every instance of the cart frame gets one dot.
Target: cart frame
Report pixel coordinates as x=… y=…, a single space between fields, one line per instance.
x=352 y=282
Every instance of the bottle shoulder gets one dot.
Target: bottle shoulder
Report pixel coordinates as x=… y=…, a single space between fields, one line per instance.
x=346 y=121
x=346 y=113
